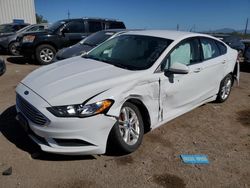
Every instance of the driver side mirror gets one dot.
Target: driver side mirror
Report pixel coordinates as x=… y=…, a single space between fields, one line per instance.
x=177 y=68
x=64 y=30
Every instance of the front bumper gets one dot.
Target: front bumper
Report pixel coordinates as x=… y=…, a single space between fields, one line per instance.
x=92 y=131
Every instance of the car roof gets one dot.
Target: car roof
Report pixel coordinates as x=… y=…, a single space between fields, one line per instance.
x=91 y=18
x=16 y=24
x=168 y=34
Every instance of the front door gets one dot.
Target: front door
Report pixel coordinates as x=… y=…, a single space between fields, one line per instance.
x=181 y=92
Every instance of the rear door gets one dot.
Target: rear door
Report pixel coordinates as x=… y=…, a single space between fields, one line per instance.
x=213 y=66
x=94 y=26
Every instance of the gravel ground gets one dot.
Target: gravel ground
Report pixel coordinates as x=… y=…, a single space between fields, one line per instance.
x=221 y=131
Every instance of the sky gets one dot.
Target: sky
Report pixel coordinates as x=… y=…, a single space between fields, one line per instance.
x=195 y=15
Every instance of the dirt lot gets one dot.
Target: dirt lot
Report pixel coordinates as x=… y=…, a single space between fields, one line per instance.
x=221 y=131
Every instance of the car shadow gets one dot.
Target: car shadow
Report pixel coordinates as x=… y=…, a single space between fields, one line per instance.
x=245 y=67
x=13 y=132
x=20 y=60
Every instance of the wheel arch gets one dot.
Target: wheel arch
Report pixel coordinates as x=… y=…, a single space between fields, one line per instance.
x=46 y=43
x=144 y=113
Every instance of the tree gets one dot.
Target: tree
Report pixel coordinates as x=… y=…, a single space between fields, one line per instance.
x=40 y=19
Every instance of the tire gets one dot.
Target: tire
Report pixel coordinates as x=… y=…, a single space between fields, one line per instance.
x=118 y=139
x=45 y=54
x=225 y=89
x=13 y=48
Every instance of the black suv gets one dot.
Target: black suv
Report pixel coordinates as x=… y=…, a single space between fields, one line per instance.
x=44 y=45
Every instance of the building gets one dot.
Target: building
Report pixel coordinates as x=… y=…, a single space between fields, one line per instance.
x=17 y=10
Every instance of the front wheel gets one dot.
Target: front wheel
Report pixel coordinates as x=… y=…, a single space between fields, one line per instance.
x=225 y=88
x=127 y=134
x=45 y=54
x=13 y=48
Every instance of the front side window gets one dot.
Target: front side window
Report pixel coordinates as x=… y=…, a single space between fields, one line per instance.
x=55 y=26
x=187 y=53
x=133 y=52
x=209 y=48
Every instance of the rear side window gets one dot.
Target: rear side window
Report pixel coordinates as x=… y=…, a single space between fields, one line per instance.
x=116 y=25
x=222 y=47
x=95 y=26
x=209 y=48
x=76 y=27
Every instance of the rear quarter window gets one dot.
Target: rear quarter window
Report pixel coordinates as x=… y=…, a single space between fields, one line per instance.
x=222 y=48
x=116 y=25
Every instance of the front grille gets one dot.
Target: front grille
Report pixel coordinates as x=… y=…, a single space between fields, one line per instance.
x=30 y=111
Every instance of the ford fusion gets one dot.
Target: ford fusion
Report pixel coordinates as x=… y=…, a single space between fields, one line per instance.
x=121 y=89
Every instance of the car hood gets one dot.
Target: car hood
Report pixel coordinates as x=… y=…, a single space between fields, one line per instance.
x=74 y=80
x=72 y=51
x=6 y=34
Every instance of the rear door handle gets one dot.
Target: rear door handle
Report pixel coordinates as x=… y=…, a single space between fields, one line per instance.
x=198 y=70
x=223 y=62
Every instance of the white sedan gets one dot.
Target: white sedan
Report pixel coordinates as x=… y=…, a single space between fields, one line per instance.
x=123 y=88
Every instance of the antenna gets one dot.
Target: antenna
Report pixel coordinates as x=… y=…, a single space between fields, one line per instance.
x=68 y=14
x=246 y=27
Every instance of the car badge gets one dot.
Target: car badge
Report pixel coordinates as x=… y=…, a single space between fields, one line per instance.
x=26 y=92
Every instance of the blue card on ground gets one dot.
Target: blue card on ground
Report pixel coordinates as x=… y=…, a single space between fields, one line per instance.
x=195 y=159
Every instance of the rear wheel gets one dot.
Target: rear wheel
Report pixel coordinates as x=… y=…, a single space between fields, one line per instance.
x=127 y=134
x=45 y=54
x=225 y=88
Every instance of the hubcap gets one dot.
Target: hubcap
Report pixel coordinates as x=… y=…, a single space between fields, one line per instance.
x=46 y=54
x=129 y=126
x=13 y=48
x=226 y=88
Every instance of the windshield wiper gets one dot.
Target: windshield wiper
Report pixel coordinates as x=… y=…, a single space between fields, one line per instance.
x=95 y=58
x=88 y=44
x=128 y=67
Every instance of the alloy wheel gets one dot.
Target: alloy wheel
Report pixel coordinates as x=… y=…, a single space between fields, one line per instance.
x=129 y=126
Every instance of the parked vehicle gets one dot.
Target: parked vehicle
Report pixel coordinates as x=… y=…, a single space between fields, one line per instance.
x=11 y=27
x=87 y=44
x=44 y=45
x=2 y=67
x=234 y=42
x=9 y=43
x=247 y=50
x=124 y=87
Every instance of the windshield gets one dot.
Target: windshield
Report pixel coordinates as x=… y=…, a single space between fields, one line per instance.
x=97 y=38
x=24 y=29
x=56 y=25
x=6 y=28
x=133 y=52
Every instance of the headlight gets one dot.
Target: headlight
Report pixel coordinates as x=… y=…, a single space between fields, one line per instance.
x=80 y=110
x=28 y=38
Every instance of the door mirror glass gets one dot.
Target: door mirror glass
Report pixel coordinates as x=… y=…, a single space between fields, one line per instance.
x=177 y=68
